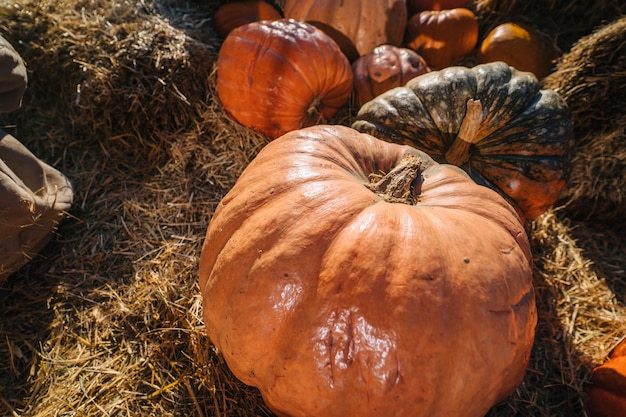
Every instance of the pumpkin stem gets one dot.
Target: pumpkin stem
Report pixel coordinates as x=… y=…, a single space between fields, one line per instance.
x=459 y=152
x=313 y=114
x=395 y=186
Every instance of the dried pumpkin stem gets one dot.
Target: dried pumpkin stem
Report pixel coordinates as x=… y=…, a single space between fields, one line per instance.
x=313 y=114
x=396 y=185
x=459 y=152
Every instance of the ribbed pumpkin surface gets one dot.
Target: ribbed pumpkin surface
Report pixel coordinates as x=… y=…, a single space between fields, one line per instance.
x=282 y=75
x=342 y=292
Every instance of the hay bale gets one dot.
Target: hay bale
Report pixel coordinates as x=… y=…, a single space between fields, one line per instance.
x=126 y=73
x=596 y=189
x=592 y=80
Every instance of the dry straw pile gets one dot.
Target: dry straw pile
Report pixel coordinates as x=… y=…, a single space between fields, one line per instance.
x=107 y=321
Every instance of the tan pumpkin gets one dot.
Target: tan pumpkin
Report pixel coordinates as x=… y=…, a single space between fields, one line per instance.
x=281 y=75
x=606 y=394
x=492 y=120
x=228 y=16
x=442 y=37
x=384 y=68
x=520 y=46
x=341 y=275
x=358 y=26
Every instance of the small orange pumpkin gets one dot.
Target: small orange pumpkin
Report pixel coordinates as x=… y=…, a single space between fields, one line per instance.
x=416 y=6
x=384 y=68
x=606 y=396
x=443 y=37
x=520 y=46
x=281 y=75
x=231 y=15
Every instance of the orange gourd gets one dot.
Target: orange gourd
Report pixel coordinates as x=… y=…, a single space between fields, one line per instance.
x=282 y=75
x=358 y=26
x=606 y=395
x=520 y=46
x=442 y=37
x=384 y=68
x=231 y=15
x=341 y=276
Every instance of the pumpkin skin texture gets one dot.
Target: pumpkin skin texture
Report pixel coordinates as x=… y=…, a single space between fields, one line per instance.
x=231 y=15
x=442 y=37
x=519 y=46
x=282 y=75
x=384 y=68
x=358 y=26
x=606 y=395
x=491 y=120
x=339 y=297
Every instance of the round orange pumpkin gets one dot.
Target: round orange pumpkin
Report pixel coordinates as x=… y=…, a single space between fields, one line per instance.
x=442 y=37
x=231 y=15
x=341 y=275
x=384 y=68
x=492 y=120
x=358 y=26
x=518 y=45
x=281 y=75
x=606 y=395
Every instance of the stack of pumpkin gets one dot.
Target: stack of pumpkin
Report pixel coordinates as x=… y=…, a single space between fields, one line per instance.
x=347 y=263
x=280 y=74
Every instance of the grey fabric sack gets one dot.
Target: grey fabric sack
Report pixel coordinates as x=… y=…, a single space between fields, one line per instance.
x=34 y=197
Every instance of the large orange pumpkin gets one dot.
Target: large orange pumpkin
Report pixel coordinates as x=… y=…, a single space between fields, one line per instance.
x=491 y=120
x=384 y=68
x=346 y=276
x=442 y=37
x=358 y=26
x=282 y=75
x=606 y=395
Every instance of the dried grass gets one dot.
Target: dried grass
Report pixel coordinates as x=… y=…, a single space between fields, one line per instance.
x=107 y=321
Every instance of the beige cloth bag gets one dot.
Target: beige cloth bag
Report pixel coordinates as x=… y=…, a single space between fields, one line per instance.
x=33 y=199
x=13 y=77
x=33 y=195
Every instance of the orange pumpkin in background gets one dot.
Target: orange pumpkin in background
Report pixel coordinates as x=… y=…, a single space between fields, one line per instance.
x=281 y=75
x=416 y=6
x=231 y=15
x=606 y=395
x=358 y=26
x=442 y=37
x=520 y=46
x=384 y=68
